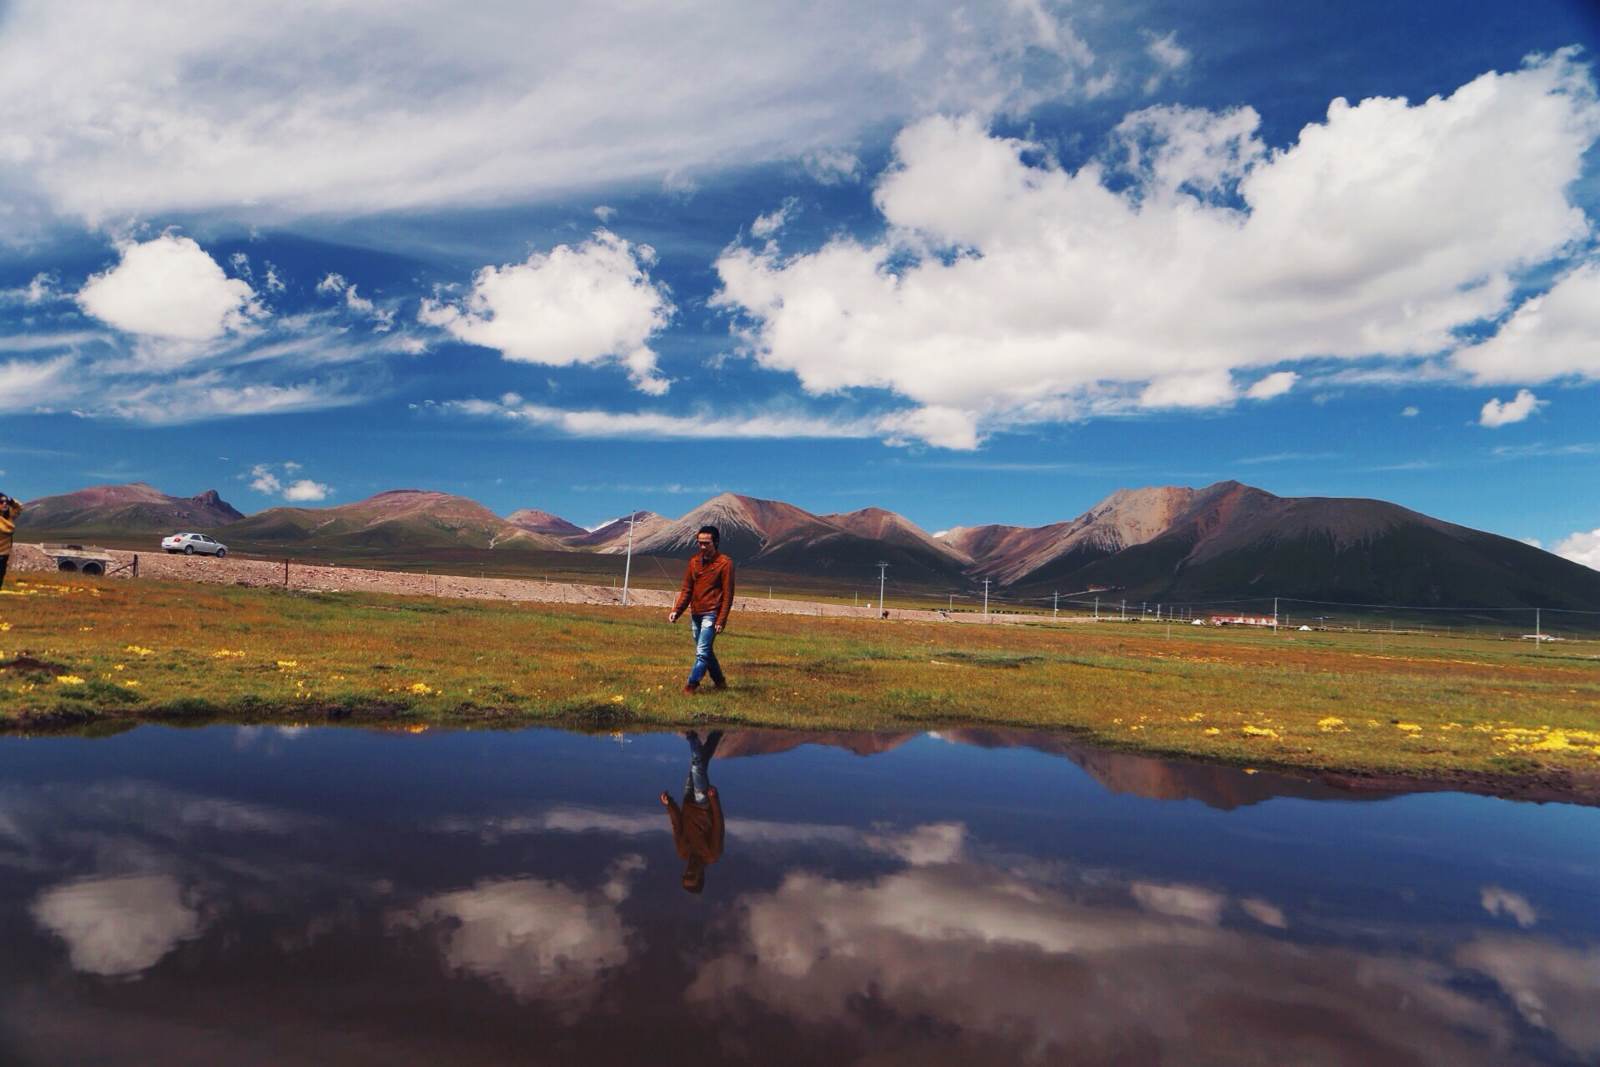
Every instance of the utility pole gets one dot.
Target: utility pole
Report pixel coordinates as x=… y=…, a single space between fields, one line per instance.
x=986 y=596
x=1275 y=614
x=950 y=605
x=883 y=571
x=1055 y=608
x=627 y=566
x=1538 y=630
x=1096 y=609
x=1124 y=611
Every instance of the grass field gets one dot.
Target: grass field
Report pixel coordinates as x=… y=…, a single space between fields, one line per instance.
x=88 y=655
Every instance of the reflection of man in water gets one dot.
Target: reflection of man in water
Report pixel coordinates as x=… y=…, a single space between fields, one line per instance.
x=697 y=826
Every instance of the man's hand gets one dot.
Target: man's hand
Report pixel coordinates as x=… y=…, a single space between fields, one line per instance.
x=666 y=801
x=672 y=616
x=720 y=627
x=711 y=791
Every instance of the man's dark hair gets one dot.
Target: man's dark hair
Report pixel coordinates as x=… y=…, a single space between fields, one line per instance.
x=716 y=538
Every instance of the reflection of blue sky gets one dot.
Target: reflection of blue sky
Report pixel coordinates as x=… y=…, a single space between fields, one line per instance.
x=1001 y=890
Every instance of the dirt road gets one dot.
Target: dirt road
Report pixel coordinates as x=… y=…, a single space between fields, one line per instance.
x=234 y=570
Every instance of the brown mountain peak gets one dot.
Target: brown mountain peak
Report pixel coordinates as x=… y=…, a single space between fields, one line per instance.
x=540 y=521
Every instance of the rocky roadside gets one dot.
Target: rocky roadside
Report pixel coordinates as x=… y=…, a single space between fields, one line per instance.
x=235 y=570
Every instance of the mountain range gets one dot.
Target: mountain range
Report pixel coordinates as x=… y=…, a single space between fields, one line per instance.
x=1169 y=543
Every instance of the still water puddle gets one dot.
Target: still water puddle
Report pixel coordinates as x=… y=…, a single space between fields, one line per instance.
x=269 y=896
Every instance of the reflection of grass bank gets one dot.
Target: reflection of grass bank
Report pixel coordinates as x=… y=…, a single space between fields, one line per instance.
x=1359 y=702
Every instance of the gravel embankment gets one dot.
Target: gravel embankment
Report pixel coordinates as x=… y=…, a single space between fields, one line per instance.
x=304 y=576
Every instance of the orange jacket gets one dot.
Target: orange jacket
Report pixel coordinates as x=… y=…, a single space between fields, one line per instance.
x=697 y=829
x=707 y=587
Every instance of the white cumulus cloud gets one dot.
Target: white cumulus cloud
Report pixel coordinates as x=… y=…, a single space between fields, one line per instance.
x=265 y=478
x=1553 y=335
x=1497 y=412
x=169 y=288
x=1013 y=289
x=769 y=224
x=1275 y=384
x=584 y=304
x=1581 y=548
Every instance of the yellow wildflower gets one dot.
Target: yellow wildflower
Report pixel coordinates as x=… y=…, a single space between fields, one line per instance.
x=4 y=626
x=139 y=651
x=1259 y=731
x=1212 y=731
x=422 y=688
x=287 y=664
x=618 y=699
x=119 y=666
x=1332 y=722
x=68 y=679
x=224 y=653
x=1408 y=727
x=130 y=683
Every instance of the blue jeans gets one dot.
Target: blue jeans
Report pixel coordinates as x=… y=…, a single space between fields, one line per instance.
x=704 y=629
x=699 y=758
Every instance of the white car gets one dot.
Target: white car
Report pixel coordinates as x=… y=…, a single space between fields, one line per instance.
x=190 y=543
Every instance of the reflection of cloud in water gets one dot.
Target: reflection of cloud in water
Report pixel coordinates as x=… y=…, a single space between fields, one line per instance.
x=1264 y=912
x=933 y=843
x=1035 y=973
x=118 y=926
x=542 y=940
x=1180 y=901
x=1555 y=987
x=138 y=867
x=1498 y=901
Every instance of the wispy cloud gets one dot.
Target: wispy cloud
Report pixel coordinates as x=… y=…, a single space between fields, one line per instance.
x=1541 y=450
x=1407 y=465
x=48 y=342
x=670 y=488
x=1287 y=457
x=659 y=425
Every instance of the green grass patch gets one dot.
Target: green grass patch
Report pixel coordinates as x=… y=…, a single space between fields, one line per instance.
x=96 y=655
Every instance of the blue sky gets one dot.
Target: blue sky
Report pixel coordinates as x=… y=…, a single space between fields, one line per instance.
x=984 y=264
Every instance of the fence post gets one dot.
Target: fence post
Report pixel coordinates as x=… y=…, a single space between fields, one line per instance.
x=136 y=564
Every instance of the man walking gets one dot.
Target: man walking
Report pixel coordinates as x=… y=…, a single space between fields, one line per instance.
x=708 y=595
x=9 y=510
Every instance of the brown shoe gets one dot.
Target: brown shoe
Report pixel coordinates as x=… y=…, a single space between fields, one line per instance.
x=690 y=690
x=719 y=683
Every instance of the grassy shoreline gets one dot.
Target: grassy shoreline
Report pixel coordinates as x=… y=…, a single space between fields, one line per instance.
x=1490 y=715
